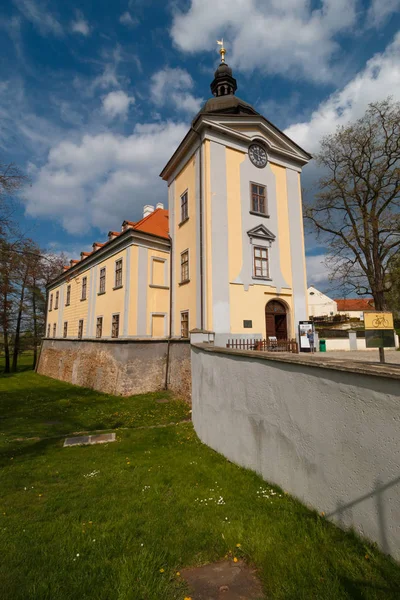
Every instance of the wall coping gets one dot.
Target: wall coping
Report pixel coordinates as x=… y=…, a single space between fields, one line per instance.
x=333 y=364
x=144 y=340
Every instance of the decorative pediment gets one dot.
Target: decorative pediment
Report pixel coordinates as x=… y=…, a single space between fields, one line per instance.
x=261 y=232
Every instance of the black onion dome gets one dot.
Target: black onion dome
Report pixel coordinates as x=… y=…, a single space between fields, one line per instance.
x=224 y=84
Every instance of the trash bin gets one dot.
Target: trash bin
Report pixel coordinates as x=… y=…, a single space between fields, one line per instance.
x=322 y=345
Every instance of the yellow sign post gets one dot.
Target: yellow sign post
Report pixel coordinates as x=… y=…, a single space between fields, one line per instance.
x=378 y=320
x=379 y=331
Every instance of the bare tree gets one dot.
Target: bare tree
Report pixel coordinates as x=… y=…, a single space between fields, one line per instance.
x=11 y=180
x=356 y=210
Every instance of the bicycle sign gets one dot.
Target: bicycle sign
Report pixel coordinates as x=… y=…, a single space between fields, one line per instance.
x=378 y=320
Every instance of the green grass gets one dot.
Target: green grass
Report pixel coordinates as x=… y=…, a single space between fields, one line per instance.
x=66 y=535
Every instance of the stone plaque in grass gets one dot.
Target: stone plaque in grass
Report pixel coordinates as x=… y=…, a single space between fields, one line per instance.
x=83 y=440
x=225 y=580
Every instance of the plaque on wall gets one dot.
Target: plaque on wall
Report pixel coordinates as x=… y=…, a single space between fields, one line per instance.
x=247 y=324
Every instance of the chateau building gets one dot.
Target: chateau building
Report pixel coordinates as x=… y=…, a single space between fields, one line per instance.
x=228 y=254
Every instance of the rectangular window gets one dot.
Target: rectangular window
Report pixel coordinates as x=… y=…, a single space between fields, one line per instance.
x=259 y=198
x=51 y=302
x=99 y=327
x=261 y=268
x=84 y=288
x=65 y=329
x=54 y=330
x=56 y=302
x=48 y=330
x=185 y=324
x=185 y=266
x=118 y=273
x=80 y=329
x=102 y=288
x=115 y=326
x=68 y=300
x=184 y=207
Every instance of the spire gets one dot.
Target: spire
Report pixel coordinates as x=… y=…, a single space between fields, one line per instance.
x=224 y=84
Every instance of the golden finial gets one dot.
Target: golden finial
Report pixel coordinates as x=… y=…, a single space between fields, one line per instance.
x=222 y=50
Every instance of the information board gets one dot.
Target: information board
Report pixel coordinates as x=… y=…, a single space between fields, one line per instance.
x=378 y=320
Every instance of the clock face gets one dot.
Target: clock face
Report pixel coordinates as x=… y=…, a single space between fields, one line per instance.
x=258 y=156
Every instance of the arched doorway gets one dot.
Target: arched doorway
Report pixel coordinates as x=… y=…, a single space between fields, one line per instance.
x=276 y=320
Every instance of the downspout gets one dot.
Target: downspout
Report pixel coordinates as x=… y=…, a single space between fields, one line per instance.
x=170 y=314
x=201 y=231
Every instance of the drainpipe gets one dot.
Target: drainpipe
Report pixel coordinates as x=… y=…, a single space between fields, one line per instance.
x=170 y=314
x=201 y=230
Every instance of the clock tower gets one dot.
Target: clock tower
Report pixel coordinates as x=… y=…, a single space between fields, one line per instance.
x=235 y=219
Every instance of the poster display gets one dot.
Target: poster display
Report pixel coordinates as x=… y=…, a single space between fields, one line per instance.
x=306 y=336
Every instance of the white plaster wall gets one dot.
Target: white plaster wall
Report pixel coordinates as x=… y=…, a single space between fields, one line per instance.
x=330 y=438
x=337 y=344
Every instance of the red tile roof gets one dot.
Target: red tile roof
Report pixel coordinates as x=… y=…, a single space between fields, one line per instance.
x=156 y=223
x=359 y=304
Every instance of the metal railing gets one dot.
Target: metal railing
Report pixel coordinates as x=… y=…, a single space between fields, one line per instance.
x=264 y=345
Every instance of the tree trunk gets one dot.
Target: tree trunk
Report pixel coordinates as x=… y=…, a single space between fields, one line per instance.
x=18 y=325
x=35 y=324
x=5 y=332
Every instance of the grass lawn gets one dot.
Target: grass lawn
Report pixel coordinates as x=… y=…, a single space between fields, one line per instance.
x=119 y=521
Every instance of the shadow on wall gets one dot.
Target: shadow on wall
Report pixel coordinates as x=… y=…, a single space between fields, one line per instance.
x=377 y=493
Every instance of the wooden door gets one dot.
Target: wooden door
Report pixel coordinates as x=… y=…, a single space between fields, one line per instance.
x=270 y=324
x=280 y=327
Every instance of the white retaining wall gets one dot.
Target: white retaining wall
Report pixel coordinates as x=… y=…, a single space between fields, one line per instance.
x=329 y=436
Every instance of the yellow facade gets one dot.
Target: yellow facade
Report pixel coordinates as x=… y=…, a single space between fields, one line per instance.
x=185 y=239
x=112 y=302
x=122 y=300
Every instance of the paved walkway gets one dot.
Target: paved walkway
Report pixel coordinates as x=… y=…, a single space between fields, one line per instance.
x=391 y=356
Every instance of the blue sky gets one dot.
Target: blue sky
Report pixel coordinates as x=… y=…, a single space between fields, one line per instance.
x=95 y=96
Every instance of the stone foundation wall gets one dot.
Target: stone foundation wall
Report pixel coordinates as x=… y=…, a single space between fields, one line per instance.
x=121 y=367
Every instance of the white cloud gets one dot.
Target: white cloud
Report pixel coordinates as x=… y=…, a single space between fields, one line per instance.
x=116 y=104
x=379 y=79
x=286 y=38
x=127 y=19
x=80 y=25
x=317 y=271
x=380 y=11
x=103 y=178
x=171 y=87
x=37 y=14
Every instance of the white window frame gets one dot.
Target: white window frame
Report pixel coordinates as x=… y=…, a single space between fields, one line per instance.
x=180 y=267
x=188 y=323
x=119 y=325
